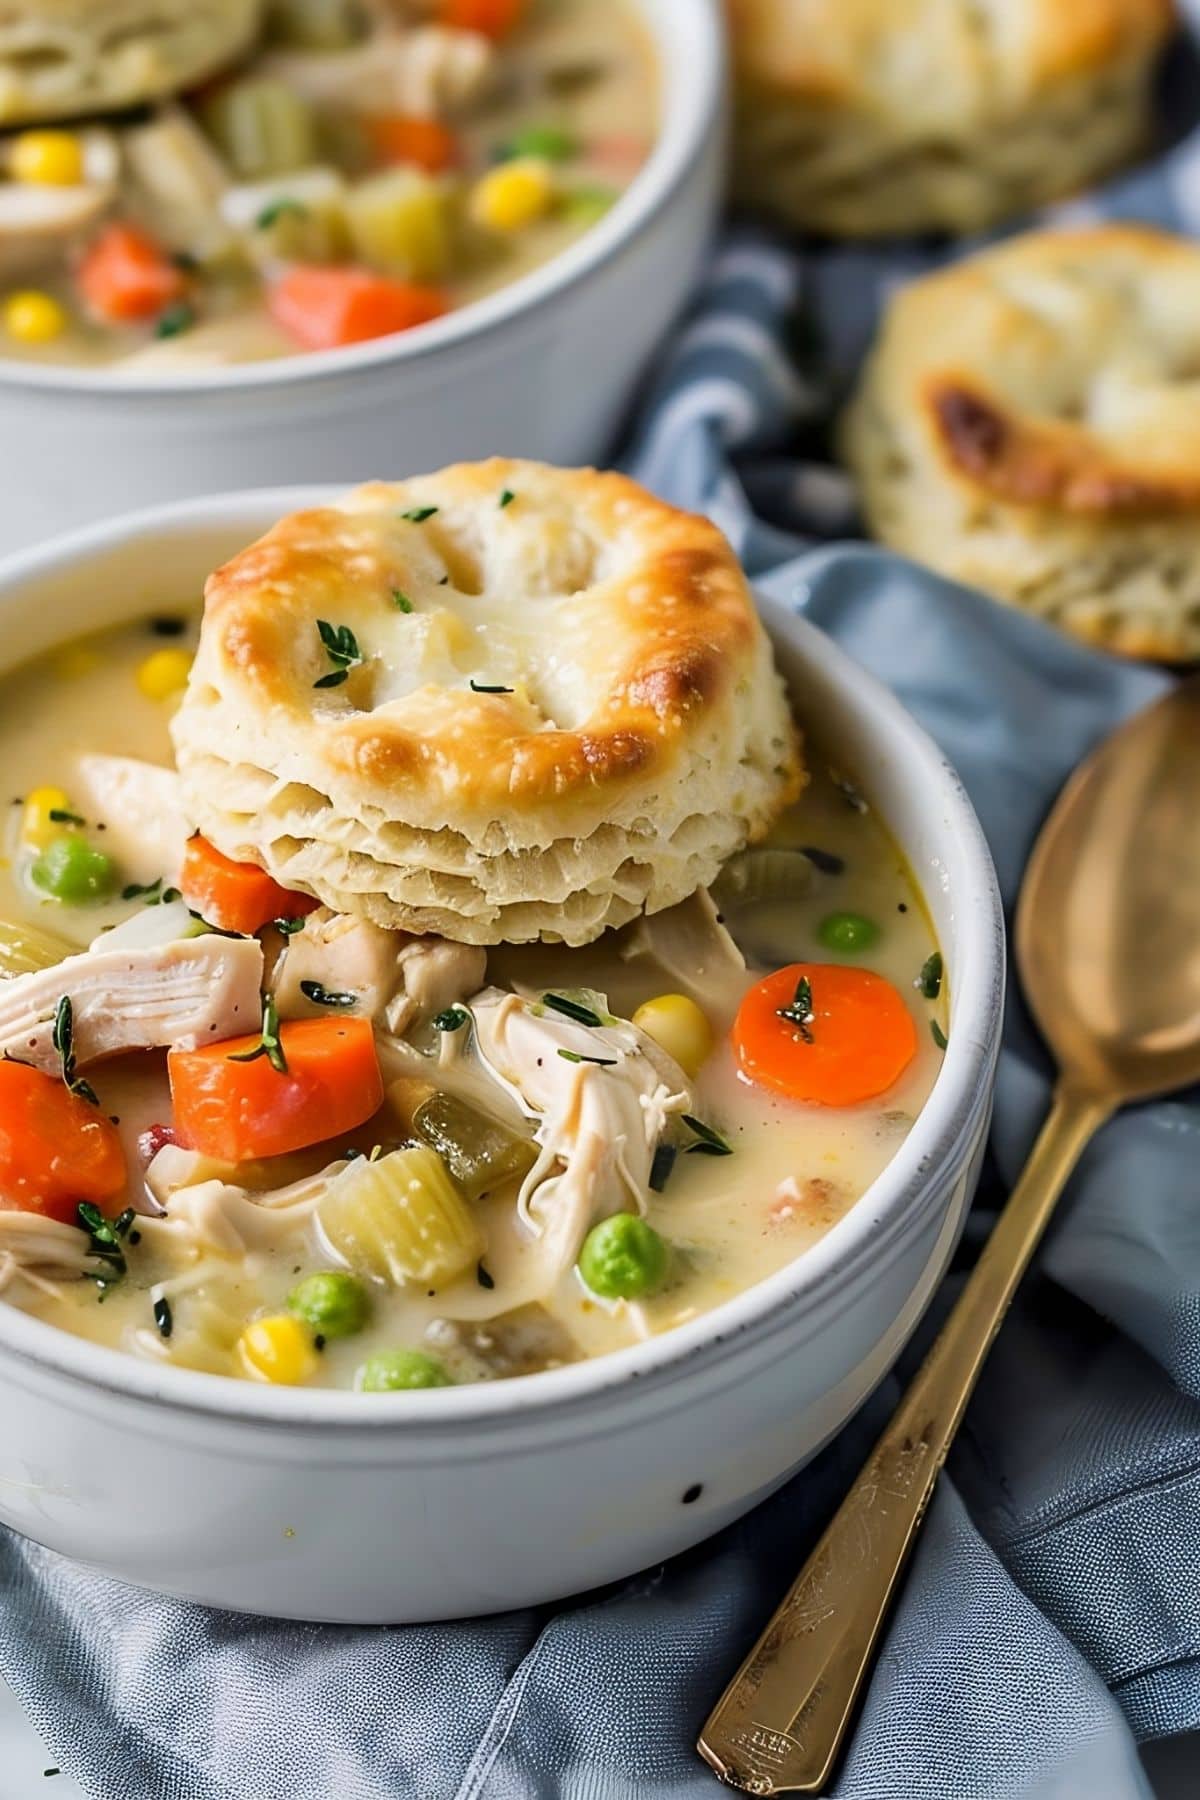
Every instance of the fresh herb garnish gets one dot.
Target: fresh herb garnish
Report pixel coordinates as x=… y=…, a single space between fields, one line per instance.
x=506 y=498
x=453 y=1019
x=661 y=1166
x=289 y=927
x=401 y=600
x=341 y=647
x=323 y=996
x=61 y=817
x=63 y=1039
x=601 y=1062
x=154 y=893
x=164 y=1318
x=481 y=687
x=104 y=1240
x=799 y=1010
x=938 y=1035
x=930 y=979
x=484 y=1276
x=176 y=320
x=711 y=1142
x=417 y=515
x=166 y=625
x=571 y=1009
x=268 y=1044
x=319 y=1341
x=824 y=860
x=278 y=209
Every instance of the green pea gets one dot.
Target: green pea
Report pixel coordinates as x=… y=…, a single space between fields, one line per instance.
x=390 y=1371
x=548 y=141
x=334 y=1304
x=623 y=1258
x=71 y=871
x=847 y=932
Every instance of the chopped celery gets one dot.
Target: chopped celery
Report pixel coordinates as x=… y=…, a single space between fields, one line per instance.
x=262 y=126
x=479 y=1152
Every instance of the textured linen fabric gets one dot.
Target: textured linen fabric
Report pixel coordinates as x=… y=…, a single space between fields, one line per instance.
x=1052 y=1614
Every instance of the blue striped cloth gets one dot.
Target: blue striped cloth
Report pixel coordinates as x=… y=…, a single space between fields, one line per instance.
x=1052 y=1615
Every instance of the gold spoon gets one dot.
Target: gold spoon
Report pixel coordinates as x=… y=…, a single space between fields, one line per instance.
x=1108 y=947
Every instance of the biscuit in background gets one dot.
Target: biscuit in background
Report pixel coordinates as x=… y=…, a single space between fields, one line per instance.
x=866 y=118
x=1029 y=423
x=499 y=703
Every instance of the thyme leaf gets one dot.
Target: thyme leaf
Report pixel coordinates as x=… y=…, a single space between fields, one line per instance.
x=63 y=1039
x=929 y=981
x=417 y=515
x=571 y=1009
x=799 y=1010
x=323 y=996
x=711 y=1143
x=268 y=1044
x=601 y=1062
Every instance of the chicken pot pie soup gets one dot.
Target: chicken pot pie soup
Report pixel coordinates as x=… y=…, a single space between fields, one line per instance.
x=246 y=1132
x=345 y=170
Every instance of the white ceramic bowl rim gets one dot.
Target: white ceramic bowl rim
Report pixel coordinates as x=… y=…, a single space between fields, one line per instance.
x=691 y=102
x=834 y=1262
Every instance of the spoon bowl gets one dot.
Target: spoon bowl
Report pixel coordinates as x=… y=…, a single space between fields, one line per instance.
x=1106 y=932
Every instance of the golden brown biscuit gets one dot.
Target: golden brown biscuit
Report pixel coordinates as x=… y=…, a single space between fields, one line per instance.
x=873 y=117
x=64 y=58
x=1029 y=422
x=565 y=711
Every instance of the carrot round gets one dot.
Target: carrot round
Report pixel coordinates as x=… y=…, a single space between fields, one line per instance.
x=125 y=275
x=235 y=896
x=843 y=1038
x=404 y=138
x=56 y=1148
x=324 y=308
x=240 y=1111
x=491 y=18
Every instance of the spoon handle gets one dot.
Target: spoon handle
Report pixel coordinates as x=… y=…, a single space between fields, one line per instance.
x=780 y=1723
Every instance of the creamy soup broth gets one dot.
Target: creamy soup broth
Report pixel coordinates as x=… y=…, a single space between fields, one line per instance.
x=318 y=195
x=727 y=1220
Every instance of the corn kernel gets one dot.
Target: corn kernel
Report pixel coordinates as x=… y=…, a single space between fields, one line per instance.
x=679 y=1027
x=164 y=673
x=38 y=829
x=49 y=158
x=514 y=195
x=31 y=317
x=277 y=1349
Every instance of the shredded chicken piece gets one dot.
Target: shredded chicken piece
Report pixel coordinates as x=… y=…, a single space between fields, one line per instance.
x=141 y=806
x=40 y=222
x=192 y=991
x=220 y=1218
x=430 y=72
x=602 y=1108
x=402 y=980
x=43 y=1250
x=178 y=180
x=696 y=954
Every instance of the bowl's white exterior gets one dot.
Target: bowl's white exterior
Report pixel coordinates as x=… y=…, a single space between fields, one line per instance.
x=544 y=368
x=416 y=1506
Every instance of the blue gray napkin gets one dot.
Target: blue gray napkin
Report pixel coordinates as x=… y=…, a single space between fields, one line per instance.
x=1052 y=1617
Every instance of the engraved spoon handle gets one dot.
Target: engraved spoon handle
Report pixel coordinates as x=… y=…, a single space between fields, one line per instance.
x=780 y=1723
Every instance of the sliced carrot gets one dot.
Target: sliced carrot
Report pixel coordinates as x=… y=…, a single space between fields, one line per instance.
x=404 y=138
x=236 y=896
x=125 y=275
x=323 y=308
x=56 y=1148
x=240 y=1111
x=491 y=18
x=859 y=1039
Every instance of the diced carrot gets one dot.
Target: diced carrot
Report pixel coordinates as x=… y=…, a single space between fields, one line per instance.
x=56 y=1148
x=824 y=1033
x=404 y=138
x=235 y=896
x=125 y=275
x=240 y=1111
x=323 y=308
x=492 y=18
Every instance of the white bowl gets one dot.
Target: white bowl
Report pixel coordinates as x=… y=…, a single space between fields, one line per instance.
x=329 y=1505
x=545 y=367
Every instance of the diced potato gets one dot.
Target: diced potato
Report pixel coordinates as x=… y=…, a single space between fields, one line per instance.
x=294 y=218
x=262 y=127
x=401 y=1219
x=479 y=1152
x=400 y=223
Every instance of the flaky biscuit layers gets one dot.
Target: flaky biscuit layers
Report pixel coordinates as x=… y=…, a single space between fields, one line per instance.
x=65 y=58
x=1029 y=422
x=565 y=712
x=872 y=117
